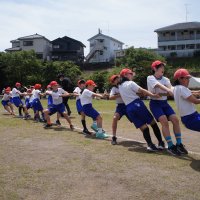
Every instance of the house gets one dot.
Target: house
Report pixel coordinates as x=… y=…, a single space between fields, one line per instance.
x=181 y=39
x=102 y=48
x=36 y=42
x=66 y=48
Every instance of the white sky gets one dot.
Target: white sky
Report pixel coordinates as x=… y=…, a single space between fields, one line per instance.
x=130 y=21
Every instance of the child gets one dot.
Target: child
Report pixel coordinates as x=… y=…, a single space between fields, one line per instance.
x=86 y=102
x=6 y=101
x=57 y=106
x=37 y=106
x=185 y=100
x=50 y=104
x=17 y=101
x=77 y=92
x=121 y=107
x=161 y=110
x=136 y=109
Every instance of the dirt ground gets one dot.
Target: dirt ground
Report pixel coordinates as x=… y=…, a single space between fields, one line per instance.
x=58 y=164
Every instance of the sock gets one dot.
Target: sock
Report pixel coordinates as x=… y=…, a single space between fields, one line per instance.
x=156 y=131
x=178 y=138
x=169 y=141
x=147 y=136
x=20 y=110
x=100 y=130
x=84 y=124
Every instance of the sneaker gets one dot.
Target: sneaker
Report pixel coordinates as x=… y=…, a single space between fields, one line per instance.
x=47 y=125
x=181 y=148
x=71 y=127
x=161 y=145
x=94 y=127
x=86 y=132
x=152 y=148
x=101 y=135
x=58 y=122
x=173 y=150
x=114 y=140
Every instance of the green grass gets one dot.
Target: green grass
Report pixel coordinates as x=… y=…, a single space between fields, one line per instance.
x=36 y=163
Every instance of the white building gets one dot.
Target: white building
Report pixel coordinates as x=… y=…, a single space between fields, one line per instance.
x=41 y=45
x=102 y=48
x=181 y=39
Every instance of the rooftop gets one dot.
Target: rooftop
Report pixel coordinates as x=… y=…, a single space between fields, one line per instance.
x=180 y=26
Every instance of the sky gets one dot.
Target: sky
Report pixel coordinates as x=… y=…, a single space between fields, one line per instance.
x=129 y=21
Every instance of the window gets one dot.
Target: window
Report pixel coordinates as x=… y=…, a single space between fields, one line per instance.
x=56 y=46
x=28 y=43
x=172 y=33
x=101 y=52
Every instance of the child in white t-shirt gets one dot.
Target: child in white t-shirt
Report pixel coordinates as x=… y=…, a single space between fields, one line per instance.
x=161 y=109
x=77 y=92
x=86 y=102
x=120 y=106
x=185 y=100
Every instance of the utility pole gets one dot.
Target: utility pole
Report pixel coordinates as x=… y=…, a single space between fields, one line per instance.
x=186 y=11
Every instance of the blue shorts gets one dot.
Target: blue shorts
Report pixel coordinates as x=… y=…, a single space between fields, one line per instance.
x=28 y=104
x=90 y=111
x=79 y=107
x=192 y=121
x=37 y=106
x=17 y=101
x=5 y=103
x=121 y=110
x=11 y=100
x=56 y=108
x=138 y=113
x=159 y=108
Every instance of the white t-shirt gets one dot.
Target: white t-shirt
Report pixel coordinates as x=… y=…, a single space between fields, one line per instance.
x=128 y=91
x=6 y=97
x=86 y=97
x=181 y=93
x=36 y=94
x=15 y=92
x=115 y=91
x=152 y=82
x=56 y=96
x=78 y=91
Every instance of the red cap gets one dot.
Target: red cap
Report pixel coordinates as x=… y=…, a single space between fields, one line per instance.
x=113 y=77
x=90 y=82
x=53 y=83
x=37 y=86
x=181 y=73
x=156 y=63
x=48 y=86
x=17 y=84
x=125 y=71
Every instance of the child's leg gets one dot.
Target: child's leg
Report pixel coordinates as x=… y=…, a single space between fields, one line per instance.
x=7 y=108
x=68 y=119
x=165 y=130
x=83 y=121
x=156 y=131
x=47 y=116
x=116 y=117
x=11 y=107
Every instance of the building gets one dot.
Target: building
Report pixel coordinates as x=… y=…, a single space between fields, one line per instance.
x=181 y=39
x=36 y=42
x=66 y=48
x=102 y=48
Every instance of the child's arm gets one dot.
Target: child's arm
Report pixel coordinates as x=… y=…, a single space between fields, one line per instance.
x=115 y=96
x=165 y=88
x=147 y=93
x=193 y=99
x=65 y=94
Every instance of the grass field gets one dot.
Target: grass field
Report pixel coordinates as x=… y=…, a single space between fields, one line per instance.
x=58 y=164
